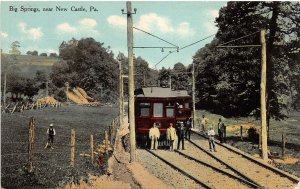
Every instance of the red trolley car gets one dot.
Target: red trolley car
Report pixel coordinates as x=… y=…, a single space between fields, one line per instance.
x=162 y=106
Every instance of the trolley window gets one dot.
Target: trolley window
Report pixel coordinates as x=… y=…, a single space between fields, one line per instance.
x=144 y=109
x=186 y=105
x=157 y=109
x=170 y=112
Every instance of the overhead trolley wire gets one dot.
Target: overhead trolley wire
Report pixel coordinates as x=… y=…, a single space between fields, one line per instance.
x=239 y=38
x=155 y=36
x=170 y=52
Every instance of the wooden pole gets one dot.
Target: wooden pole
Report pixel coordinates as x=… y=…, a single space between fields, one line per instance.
x=73 y=148
x=264 y=145
x=31 y=136
x=106 y=143
x=241 y=131
x=92 y=148
x=120 y=91
x=131 y=81
x=283 y=145
x=193 y=91
x=4 y=90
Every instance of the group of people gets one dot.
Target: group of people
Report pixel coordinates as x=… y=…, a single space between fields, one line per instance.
x=183 y=130
x=180 y=132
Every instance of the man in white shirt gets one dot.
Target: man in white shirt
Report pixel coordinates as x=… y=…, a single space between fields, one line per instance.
x=211 y=139
x=154 y=135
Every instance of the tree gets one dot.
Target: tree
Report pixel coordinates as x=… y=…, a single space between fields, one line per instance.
x=43 y=54
x=180 y=78
x=34 y=53
x=15 y=48
x=53 y=55
x=89 y=65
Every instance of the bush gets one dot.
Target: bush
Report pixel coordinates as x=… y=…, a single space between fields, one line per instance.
x=253 y=135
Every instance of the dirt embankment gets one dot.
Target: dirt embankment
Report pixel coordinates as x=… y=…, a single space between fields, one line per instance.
x=79 y=96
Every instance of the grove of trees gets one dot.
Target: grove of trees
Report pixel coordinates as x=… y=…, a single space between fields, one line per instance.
x=228 y=79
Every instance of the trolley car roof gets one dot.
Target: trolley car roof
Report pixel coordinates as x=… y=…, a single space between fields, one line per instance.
x=159 y=92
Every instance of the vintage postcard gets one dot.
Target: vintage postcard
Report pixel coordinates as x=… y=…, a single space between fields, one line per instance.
x=150 y=94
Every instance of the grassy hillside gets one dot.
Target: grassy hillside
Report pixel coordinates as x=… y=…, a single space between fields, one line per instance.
x=29 y=64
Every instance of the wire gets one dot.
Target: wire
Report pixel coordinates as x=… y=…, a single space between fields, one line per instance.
x=196 y=42
x=155 y=36
x=239 y=38
x=170 y=52
x=162 y=59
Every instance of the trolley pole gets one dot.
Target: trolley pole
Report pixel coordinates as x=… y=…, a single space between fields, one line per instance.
x=193 y=96
x=264 y=145
x=131 y=81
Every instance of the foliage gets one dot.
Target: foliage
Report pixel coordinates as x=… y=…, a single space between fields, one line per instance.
x=43 y=54
x=53 y=55
x=15 y=48
x=89 y=65
x=228 y=79
x=33 y=53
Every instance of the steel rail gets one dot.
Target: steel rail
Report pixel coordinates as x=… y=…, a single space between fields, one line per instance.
x=226 y=164
x=282 y=173
x=180 y=170
x=249 y=183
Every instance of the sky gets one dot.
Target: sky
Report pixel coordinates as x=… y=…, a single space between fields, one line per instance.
x=180 y=23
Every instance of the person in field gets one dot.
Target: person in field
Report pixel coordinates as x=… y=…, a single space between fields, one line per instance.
x=51 y=133
x=154 y=135
x=211 y=138
x=180 y=133
x=171 y=136
x=221 y=128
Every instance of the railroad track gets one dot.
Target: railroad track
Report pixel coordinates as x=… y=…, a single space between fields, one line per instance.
x=230 y=179
x=252 y=163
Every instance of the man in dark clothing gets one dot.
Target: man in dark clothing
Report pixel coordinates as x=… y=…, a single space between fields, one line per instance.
x=51 y=133
x=221 y=130
x=180 y=134
x=188 y=128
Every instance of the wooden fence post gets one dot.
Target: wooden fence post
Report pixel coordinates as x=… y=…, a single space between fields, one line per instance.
x=92 y=148
x=31 y=137
x=73 y=148
x=241 y=132
x=106 y=143
x=225 y=134
x=283 y=145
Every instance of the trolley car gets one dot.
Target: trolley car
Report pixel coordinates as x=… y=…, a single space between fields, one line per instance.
x=161 y=106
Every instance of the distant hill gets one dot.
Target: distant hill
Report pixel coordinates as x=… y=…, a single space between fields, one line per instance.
x=29 y=64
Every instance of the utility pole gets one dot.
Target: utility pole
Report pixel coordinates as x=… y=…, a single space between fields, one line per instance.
x=67 y=90
x=4 y=91
x=47 y=91
x=193 y=96
x=170 y=80
x=120 y=94
x=264 y=145
x=131 y=81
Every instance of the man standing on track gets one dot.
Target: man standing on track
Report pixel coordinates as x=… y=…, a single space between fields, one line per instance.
x=188 y=128
x=171 y=136
x=154 y=135
x=51 y=133
x=221 y=130
x=211 y=139
x=180 y=133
